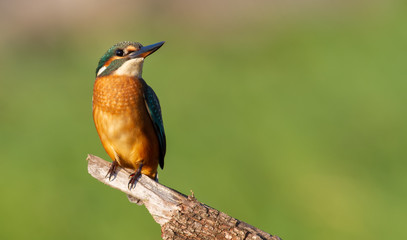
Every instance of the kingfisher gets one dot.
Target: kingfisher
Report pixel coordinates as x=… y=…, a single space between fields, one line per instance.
x=127 y=112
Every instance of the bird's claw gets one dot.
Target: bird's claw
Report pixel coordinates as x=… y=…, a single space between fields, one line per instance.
x=134 y=176
x=111 y=174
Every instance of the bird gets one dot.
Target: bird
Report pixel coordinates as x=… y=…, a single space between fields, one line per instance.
x=127 y=112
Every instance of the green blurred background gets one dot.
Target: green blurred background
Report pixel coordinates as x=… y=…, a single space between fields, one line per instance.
x=290 y=116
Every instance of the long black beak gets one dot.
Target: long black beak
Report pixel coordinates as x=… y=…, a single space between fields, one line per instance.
x=146 y=50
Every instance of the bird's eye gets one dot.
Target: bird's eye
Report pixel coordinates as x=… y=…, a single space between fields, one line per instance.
x=119 y=52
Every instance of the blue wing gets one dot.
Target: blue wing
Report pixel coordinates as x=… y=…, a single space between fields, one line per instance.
x=154 y=109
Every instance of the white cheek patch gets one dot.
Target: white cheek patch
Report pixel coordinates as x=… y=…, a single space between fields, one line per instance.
x=101 y=70
x=132 y=67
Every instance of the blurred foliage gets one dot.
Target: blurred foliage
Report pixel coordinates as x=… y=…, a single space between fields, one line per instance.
x=296 y=125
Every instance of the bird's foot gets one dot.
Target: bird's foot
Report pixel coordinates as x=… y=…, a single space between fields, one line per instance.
x=134 y=176
x=111 y=174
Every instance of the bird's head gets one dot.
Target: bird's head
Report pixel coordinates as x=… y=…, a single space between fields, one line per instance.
x=125 y=58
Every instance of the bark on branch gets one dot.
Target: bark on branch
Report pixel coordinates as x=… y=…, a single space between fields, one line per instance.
x=180 y=216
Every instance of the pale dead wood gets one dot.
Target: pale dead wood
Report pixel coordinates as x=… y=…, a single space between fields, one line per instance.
x=180 y=216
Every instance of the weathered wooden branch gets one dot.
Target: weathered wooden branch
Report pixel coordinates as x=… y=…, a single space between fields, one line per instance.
x=180 y=216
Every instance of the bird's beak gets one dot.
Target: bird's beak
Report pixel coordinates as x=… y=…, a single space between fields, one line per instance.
x=146 y=50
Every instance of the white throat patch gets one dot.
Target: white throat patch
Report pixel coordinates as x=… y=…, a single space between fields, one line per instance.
x=132 y=67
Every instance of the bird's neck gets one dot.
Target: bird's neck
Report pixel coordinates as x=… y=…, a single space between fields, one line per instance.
x=131 y=68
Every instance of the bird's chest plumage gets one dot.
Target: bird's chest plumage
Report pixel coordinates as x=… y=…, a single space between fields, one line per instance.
x=122 y=120
x=118 y=95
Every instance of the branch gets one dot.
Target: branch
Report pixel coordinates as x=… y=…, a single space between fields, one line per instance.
x=180 y=216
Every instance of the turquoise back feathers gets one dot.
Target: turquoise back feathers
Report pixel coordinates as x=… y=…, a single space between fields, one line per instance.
x=154 y=109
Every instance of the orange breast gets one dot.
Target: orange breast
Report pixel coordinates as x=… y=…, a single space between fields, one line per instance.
x=123 y=123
